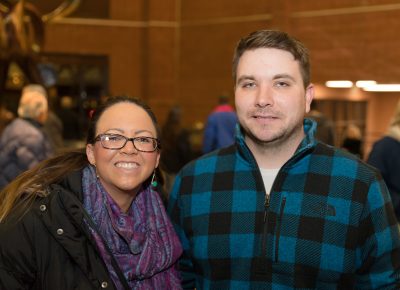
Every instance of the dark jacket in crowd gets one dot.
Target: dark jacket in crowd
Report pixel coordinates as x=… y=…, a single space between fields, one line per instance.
x=385 y=155
x=68 y=253
x=353 y=145
x=23 y=144
x=176 y=152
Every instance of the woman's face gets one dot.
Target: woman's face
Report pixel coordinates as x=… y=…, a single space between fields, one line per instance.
x=122 y=171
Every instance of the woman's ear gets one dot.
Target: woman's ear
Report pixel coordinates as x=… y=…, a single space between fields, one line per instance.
x=90 y=154
x=158 y=159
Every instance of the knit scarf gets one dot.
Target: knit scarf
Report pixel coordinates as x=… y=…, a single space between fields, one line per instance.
x=142 y=240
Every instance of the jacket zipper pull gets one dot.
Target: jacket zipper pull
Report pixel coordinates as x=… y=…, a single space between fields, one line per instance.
x=266 y=205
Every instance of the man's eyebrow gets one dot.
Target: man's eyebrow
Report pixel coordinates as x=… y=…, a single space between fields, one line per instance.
x=278 y=76
x=284 y=76
x=245 y=77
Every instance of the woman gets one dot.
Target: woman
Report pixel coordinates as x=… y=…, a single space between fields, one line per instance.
x=352 y=140
x=177 y=150
x=94 y=220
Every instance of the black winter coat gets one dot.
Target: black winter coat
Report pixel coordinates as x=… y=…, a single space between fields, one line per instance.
x=50 y=247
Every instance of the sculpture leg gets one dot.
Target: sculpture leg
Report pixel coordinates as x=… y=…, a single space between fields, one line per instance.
x=29 y=66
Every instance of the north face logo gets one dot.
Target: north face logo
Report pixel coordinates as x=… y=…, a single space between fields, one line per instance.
x=324 y=209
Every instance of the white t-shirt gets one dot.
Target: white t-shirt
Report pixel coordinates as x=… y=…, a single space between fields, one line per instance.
x=268 y=176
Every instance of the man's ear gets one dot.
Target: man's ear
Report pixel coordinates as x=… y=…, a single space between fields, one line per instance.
x=309 y=96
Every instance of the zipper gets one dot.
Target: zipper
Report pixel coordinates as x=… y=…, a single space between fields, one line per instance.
x=266 y=212
x=266 y=205
x=278 y=230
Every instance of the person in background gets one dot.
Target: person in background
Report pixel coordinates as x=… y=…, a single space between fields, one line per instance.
x=177 y=149
x=92 y=220
x=280 y=209
x=385 y=155
x=325 y=127
x=23 y=142
x=219 y=130
x=352 y=140
x=53 y=126
x=70 y=119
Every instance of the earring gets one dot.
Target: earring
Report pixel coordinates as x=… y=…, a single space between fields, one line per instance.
x=154 y=182
x=95 y=168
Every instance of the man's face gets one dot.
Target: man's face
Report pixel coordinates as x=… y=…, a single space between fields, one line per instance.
x=270 y=97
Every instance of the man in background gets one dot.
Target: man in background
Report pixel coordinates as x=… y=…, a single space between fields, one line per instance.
x=23 y=143
x=220 y=127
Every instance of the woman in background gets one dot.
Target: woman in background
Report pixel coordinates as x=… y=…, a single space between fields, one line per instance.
x=94 y=220
x=352 y=140
x=177 y=149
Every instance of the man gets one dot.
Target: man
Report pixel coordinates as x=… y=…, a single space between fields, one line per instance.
x=220 y=127
x=279 y=209
x=23 y=143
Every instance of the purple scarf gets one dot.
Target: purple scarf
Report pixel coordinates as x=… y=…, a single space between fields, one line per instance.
x=142 y=240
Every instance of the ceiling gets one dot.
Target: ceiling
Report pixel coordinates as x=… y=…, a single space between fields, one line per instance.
x=87 y=8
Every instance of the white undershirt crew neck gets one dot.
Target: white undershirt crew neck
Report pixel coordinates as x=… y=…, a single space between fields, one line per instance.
x=268 y=176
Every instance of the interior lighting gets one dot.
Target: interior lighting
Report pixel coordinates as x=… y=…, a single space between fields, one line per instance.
x=339 y=84
x=383 y=88
x=363 y=84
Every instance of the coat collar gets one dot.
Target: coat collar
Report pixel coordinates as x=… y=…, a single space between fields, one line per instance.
x=308 y=142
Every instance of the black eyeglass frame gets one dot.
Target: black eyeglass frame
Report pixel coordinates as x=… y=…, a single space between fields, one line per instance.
x=157 y=142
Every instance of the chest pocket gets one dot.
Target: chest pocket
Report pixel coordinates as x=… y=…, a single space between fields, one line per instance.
x=309 y=231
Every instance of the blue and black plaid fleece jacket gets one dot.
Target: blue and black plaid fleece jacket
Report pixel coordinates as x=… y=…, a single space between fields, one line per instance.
x=329 y=223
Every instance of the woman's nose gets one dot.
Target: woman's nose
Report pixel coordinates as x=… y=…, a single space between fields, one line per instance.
x=129 y=147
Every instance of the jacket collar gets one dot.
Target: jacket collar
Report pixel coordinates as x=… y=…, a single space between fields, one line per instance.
x=33 y=122
x=73 y=183
x=308 y=142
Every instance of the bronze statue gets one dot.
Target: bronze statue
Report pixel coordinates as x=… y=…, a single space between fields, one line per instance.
x=22 y=36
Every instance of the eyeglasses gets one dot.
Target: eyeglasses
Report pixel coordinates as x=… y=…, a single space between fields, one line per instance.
x=116 y=141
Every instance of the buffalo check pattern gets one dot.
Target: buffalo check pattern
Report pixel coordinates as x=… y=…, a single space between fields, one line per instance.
x=329 y=225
